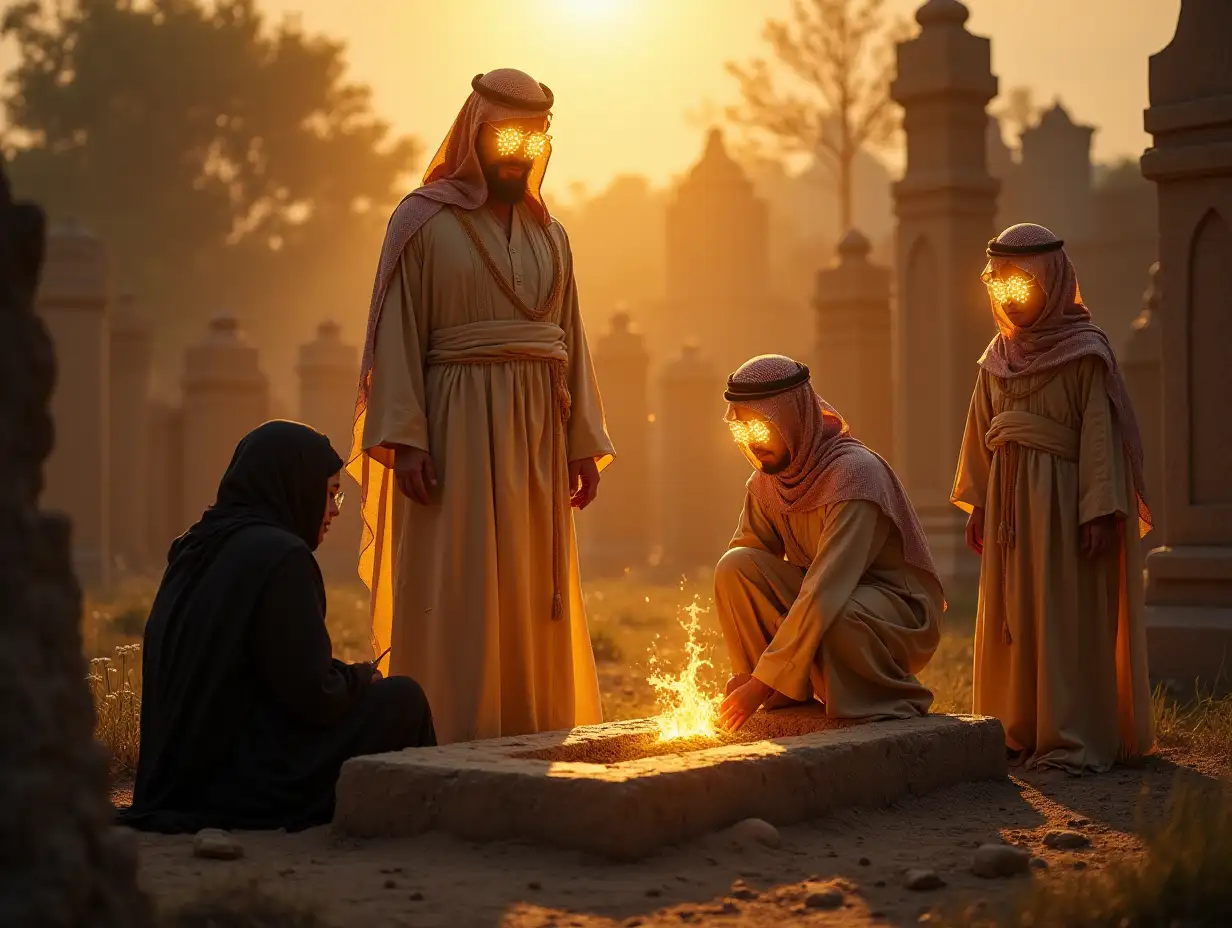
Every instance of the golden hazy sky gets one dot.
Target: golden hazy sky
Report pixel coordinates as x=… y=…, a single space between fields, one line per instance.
x=626 y=72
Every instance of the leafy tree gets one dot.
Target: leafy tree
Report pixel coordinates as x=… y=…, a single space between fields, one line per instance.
x=224 y=162
x=839 y=59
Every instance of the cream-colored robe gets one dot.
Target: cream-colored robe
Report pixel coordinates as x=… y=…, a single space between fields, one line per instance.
x=1060 y=640
x=468 y=602
x=822 y=603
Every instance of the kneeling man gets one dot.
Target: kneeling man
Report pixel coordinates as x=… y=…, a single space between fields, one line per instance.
x=828 y=589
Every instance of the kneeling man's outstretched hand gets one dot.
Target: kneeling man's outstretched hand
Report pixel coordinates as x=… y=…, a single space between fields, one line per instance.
x=741 y=703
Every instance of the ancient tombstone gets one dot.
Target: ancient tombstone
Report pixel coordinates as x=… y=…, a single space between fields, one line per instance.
x=62 y=864
x=615 y=790
x=1140 y=364
x=165 y=511
x=700 y=469
x=1055 y=175
x=226 y=395
x=74 y=298
x=719 y=289
x=1189 y=576
x=328 y=371
x=945 y=204
x=617 y=529
x=852 y=364
x=130 y=435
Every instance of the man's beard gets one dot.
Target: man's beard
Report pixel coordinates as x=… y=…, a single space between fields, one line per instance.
x=511 y=191
x=776 y=467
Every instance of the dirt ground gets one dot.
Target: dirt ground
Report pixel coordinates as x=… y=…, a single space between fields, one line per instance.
x=439 y=881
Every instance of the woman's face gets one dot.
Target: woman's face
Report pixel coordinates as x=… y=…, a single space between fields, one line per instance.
x=333 y=502
x=1018 y=294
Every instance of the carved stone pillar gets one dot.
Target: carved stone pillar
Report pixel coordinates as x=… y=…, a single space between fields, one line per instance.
x=1189 y=577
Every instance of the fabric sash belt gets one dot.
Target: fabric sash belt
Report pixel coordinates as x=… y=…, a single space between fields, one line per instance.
x=1008 y=432
x=504 y=342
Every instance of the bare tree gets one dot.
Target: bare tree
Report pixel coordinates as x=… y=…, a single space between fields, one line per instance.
x=840 y=55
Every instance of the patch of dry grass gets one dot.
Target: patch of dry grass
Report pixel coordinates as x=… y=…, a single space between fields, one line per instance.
x=1201 y=725
x=1184 y=879
x=116 y=685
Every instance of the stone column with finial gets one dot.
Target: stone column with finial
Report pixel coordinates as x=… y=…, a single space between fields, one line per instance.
x=701 y=500
x=62 y=863
x=1055 y=175
x=74 y=299
x=1189 y=576
x=852 y=366
x=946 y=204
x=226 y=395
x=1140 y=364
x=130 y=412
x=616 y=530
x=328 y=370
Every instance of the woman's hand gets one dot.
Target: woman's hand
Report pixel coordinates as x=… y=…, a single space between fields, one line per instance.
x=1099 y=536
x=583 y=482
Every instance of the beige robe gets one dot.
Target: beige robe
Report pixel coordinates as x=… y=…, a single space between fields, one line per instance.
x=822 y=603
x=463 y=587
x=1060 y=641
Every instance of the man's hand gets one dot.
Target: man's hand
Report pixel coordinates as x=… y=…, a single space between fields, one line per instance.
x=1099 y=536
x=583 y=482
x=415 y=473
x=741 y=703
x=975 y=530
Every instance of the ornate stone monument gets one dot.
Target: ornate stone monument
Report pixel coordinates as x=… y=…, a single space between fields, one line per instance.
x=62 y=865
x=616 y=530
x=1189 y=577
x=73 y=300
x=226 y=395
x=1140 y=364
x=946 y=203
x=1055 y=175
x=852 y=362
x=130 y=435
x=328 y=370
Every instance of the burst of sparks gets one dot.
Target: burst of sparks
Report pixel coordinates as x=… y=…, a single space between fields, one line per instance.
x=752 y=432
x=686 y=709
x=1014 y=289
x=511 y=139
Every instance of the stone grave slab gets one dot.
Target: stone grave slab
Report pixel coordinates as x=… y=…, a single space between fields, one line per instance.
x=615 y=790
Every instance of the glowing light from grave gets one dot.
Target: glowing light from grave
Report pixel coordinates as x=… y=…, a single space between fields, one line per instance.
x=687 y=708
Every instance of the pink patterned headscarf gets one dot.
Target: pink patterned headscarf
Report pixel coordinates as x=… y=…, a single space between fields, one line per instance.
x=827 y=464
x=1063 y=332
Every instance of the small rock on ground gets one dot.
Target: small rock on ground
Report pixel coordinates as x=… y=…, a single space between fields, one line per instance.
x=755 y=831
x=1038 y=863
x=740 y=890
x=216 y=844
x=923 y=880
x=1066 y=840
x=824 y=896
x=993 y=861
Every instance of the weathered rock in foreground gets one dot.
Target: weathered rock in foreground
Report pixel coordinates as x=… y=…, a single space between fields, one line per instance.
x=609 y=789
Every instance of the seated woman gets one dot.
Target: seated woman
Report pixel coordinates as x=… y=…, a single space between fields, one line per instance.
x=246 y=717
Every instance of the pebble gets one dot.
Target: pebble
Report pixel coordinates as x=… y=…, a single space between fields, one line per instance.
x=1080 y=864
x=923 y=880
x=391 y=884
x=534 y=884
x=1078 y=822
x=865 y=862
x=739 y=890
x=755 y=831
x=824 y=897
x=1066 y=840
x=880 y=884
x=416 y=897
x=216 y=844
x=993 y=861
x=1038 y=863
x=654 y=893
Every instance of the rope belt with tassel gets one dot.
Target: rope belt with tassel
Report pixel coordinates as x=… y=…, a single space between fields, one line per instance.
x=1009 y=432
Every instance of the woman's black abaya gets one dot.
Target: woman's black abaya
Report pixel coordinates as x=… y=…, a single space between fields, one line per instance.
x=246 y=717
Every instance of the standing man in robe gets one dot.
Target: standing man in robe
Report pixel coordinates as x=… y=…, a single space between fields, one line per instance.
x=828 y=589
x=1051 y=474
x=478 y=424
